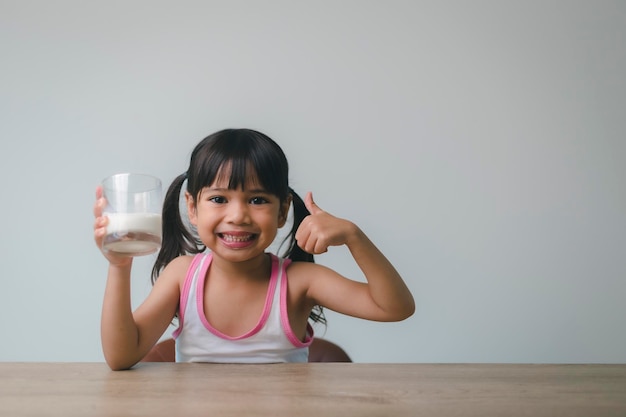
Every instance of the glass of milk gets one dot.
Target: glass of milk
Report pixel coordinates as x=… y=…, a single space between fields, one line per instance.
x=134 y=211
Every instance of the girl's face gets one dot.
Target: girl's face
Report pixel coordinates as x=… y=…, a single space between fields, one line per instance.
x=238 y=224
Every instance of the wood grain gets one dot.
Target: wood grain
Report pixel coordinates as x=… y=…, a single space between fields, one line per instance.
x=312 y=389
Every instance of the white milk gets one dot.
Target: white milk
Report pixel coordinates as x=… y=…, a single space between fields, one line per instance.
x=133 y=234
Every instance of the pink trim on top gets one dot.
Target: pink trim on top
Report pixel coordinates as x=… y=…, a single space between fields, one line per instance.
x=284 y=316
x=186 y=288
x=264 y=315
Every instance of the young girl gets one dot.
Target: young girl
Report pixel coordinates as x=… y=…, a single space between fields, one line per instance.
x=235 y=302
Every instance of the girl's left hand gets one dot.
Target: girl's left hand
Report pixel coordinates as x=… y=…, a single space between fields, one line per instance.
x=320 y=229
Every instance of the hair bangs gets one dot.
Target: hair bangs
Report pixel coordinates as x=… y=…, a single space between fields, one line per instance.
x=240 y=158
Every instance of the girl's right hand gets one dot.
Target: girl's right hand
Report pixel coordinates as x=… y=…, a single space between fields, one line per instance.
x=100 y=229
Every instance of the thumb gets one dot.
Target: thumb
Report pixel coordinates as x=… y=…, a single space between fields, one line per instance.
x=310 y=204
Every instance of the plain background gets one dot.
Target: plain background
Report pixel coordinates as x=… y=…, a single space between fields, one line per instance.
x=479 y=144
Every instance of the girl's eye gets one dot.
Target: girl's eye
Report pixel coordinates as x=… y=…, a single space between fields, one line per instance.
x=258 y=200
x=217 y=200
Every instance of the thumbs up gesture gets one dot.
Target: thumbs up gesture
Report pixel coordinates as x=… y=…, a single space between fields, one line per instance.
x=320 y=229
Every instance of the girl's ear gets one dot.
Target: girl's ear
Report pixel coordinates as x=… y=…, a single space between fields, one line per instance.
x=284 y=211
x=191 y=208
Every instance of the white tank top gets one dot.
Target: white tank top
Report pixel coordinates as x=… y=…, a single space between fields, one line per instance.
x=270 y=340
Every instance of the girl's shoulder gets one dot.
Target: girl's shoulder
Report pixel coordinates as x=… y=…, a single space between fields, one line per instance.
x=177 y=268
x=303 y=270
x=181 y=261
x=304 y=276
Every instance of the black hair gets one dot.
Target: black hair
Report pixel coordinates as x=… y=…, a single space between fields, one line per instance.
x=240 y=150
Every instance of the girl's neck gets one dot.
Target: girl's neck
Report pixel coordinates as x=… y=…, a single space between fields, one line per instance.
x=257 y=268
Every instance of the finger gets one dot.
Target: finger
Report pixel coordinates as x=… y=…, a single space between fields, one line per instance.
x=319 y=247
x=303 y=236
x=310 y=243
x=310 y=204
x=100 y=203
x=313 y=246
x=98 y=207
x=100 y=224
x=302 y=233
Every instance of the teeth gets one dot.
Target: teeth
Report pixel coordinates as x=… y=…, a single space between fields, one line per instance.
x=231 y=238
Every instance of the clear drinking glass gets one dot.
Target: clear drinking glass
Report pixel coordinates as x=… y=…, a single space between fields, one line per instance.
x=134 y=210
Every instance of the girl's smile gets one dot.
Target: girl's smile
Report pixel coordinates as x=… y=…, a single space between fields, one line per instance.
x=237 y=240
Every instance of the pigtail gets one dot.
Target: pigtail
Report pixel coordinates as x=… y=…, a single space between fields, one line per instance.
x=295 y=252
x=177 y=239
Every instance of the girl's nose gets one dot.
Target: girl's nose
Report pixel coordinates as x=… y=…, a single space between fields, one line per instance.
x=238 y=213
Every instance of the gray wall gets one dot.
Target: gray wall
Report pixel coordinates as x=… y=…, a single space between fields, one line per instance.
x=479 y=144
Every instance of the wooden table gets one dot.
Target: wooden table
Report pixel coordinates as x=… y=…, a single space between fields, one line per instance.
x=313 y=389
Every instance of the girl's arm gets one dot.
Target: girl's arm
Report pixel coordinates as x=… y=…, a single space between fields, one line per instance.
x=385 y=296
x=128 y=336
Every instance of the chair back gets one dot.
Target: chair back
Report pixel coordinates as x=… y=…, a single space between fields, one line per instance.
x=320 y=350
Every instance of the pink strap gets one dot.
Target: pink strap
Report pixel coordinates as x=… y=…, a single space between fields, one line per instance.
x=284 y=316
x=186 y=288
